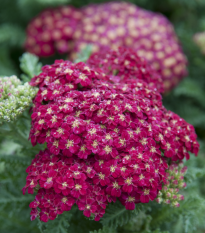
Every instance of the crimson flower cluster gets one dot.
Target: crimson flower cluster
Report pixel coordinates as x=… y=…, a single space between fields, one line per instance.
x=104 y=140
x=124 y=65
x=110 y=25
x=52 y=30
x=115 y=24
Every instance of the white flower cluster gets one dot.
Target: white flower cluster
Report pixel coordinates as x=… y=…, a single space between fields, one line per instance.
x=15 y=97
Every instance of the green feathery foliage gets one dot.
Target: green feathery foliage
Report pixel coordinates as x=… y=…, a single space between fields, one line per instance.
x=85 y=54
x=116 y=215
x=30 y=66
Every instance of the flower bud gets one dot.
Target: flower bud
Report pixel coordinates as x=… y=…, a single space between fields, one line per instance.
x=176 y=204
x=183 y=170
x=180 y=197
x=167 y=201
x=159 y=200
x=15 y=98
x=176 y=190
x=171 y=178
x=171 y=190
x=169 y=193
x=175 y=182
x=174 y=196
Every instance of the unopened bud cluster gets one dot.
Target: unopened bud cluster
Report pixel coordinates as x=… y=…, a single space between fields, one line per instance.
x=175 y=181
x=14 y=97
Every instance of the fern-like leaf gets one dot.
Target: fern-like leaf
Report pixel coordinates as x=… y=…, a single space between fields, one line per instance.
x=84 y=54
x=105 y=230
x=116 y=215
x=30 y=66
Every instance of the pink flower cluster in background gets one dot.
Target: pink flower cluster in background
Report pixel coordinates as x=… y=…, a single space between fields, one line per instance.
x=52 y=30
x=106 y=26
x=105 y=140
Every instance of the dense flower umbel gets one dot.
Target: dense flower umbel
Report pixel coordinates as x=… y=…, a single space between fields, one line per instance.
x=174 y=182
x=112 y=138
x=92 y=183
x=14 y=97
x=128 y=112
x=199 y=39
x=115 y=24
x=123 y=65
x=109 y=25
x=52 y=30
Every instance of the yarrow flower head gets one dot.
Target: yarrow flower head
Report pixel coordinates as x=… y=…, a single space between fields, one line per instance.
x=104 y=140
x=15 y=97
x=124 y=65
x=52 y=30
x=115 y=24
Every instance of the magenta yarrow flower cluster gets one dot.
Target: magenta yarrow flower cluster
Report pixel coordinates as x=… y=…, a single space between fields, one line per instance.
x=115 y=24
x=110 y=25
x=174 y=183
x=52 y=30
x=124 y=65
x=104 y=140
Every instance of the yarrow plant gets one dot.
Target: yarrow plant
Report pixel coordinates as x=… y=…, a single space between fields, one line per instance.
x=105 y=141
x=45 y=19
x=110 y=25
x=15 y=97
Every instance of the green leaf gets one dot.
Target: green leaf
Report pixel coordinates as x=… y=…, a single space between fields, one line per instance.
x=156 y=231
x=84 y=54
x=105 y=230
x=116 y=215
x=192 y=89
x=12 y=34
x=15 y=159
x=59 y=225
x=52 y=2
x=30 y=66
x=5 y=200
x=193 y=204
x=47 y=3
